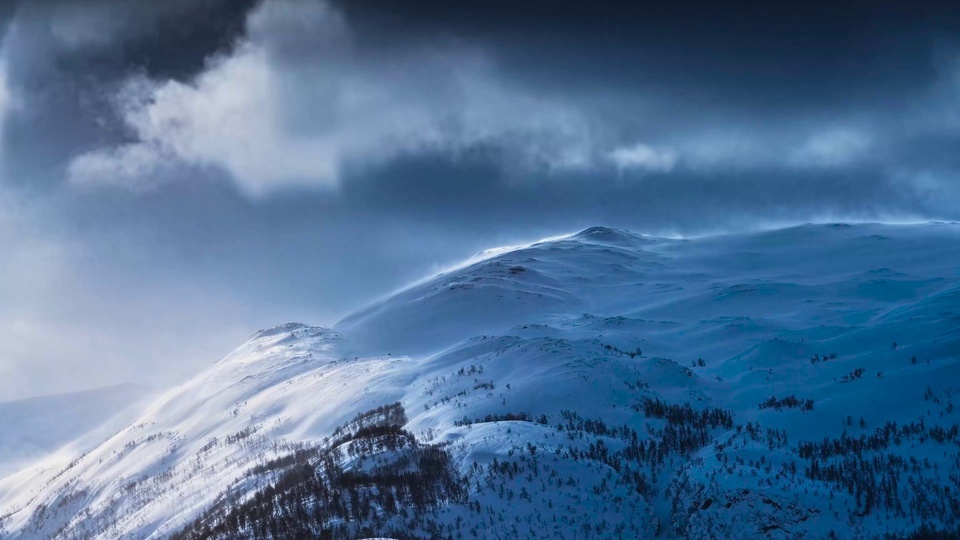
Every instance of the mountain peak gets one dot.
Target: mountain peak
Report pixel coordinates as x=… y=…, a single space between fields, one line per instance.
x=612 y=236
x=289 y=327
x=618 y=364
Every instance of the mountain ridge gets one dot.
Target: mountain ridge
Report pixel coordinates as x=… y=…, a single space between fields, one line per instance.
x=664 y=387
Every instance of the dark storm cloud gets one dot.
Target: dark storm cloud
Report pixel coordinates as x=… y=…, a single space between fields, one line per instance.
x=314 y=92
x=791 y=53
x=564 y=85
x=64 y=60
x=175 y=175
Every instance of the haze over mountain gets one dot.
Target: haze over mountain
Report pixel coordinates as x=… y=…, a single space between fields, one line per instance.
x=38 y=426
x=792 y=383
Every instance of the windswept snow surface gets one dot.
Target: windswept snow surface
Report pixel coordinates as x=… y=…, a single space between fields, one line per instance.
x=731 y=386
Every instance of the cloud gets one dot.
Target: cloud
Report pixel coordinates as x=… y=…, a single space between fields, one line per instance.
x=5 y=95
x=643 y=157
x=121 y=165
x=835 y=147
x=297 y=103
x=88 y=25
x=4 y=90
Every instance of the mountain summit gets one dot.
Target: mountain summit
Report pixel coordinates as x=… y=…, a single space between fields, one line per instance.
x=795 y=383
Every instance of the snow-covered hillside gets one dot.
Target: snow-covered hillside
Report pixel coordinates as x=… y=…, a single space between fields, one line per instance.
x=795 y=383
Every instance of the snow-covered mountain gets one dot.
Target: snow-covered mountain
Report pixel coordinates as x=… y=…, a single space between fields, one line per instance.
x=795 y=383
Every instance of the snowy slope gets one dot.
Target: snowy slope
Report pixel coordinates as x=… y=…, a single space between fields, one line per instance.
x=599 y=385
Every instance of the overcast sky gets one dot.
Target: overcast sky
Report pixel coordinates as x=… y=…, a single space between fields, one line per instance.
x=175 y=175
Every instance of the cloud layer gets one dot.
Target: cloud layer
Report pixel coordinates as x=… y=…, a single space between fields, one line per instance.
x=301 y=100
x=295 y=103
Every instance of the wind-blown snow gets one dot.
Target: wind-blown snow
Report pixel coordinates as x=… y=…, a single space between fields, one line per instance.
x=596 y=324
